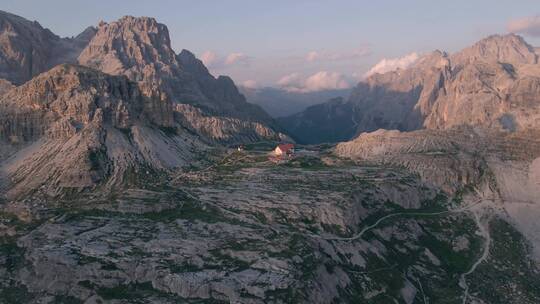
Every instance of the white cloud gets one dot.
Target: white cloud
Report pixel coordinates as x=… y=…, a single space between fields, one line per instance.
x=291 y=80
x=250 y=84
x=237 y=58
x=528 y=25
x=336 y=56
x=319 y=81
x=388 y=65
x=312 y=56
x=209 y=58
x=214 y=61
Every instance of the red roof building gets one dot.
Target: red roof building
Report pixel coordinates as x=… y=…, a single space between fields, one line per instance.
x=284 y=149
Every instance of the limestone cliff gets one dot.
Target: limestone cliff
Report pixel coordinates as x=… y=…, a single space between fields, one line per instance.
x=492 y=84
x=140 y=48
x=76 y=128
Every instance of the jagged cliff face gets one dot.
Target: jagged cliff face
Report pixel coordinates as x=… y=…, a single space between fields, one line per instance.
x=65 y=99
x=129 y=102
x=400 y=99
x=75 y=128
x=140 y=49
x=491 y=84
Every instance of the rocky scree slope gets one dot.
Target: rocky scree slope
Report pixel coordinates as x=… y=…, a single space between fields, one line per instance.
x=74 y=128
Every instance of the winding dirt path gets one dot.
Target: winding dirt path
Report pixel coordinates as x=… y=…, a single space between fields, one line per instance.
x=382 y=219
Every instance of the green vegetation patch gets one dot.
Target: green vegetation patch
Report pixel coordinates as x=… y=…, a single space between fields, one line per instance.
x=509 y=275
x=15 y=294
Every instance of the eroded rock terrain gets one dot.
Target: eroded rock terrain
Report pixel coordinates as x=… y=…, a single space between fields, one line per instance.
x=318 y=229
x=116 y=185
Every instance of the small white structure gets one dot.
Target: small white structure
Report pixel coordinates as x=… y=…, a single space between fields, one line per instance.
x=284 y=149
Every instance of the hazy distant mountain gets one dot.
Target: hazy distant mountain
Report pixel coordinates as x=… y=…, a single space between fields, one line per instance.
x=279 y=102
x=326 y=122
x=494 y=83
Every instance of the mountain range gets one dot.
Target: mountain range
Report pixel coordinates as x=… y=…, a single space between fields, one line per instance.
x=279 y=102
x=492 y=84
x=130 y=174
x=112 y=99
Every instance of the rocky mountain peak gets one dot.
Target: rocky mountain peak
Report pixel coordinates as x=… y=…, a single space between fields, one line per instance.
x=131 y=45
x=14 y=22
x=27 y=49
x=493 y=84
x=510 y=48
x=140 y=49
x=86 y=35
x=192 y=64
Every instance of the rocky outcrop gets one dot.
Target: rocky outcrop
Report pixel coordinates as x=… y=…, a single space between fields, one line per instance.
x=445 y=159
x=140 y=49
x=75 y=128
x=65 y=99
x=455 y=157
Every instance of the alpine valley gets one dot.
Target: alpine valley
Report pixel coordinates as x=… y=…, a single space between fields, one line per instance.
x=130 y=174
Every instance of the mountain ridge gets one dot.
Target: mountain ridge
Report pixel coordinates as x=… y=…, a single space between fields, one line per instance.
x=479 y=85
x=120 y=80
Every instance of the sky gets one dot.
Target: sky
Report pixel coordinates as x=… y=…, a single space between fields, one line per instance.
x=301 y=45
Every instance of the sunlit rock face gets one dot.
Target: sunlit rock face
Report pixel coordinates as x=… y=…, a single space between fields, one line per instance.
x=491 y=84
x=120 y=99
x=140 y=48
x=75 y=127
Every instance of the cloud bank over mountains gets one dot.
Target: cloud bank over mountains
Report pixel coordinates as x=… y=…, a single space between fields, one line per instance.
x=323 y=80
x=323 y=69
x=529 y=26
x=314 y=82
x=392 y=64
